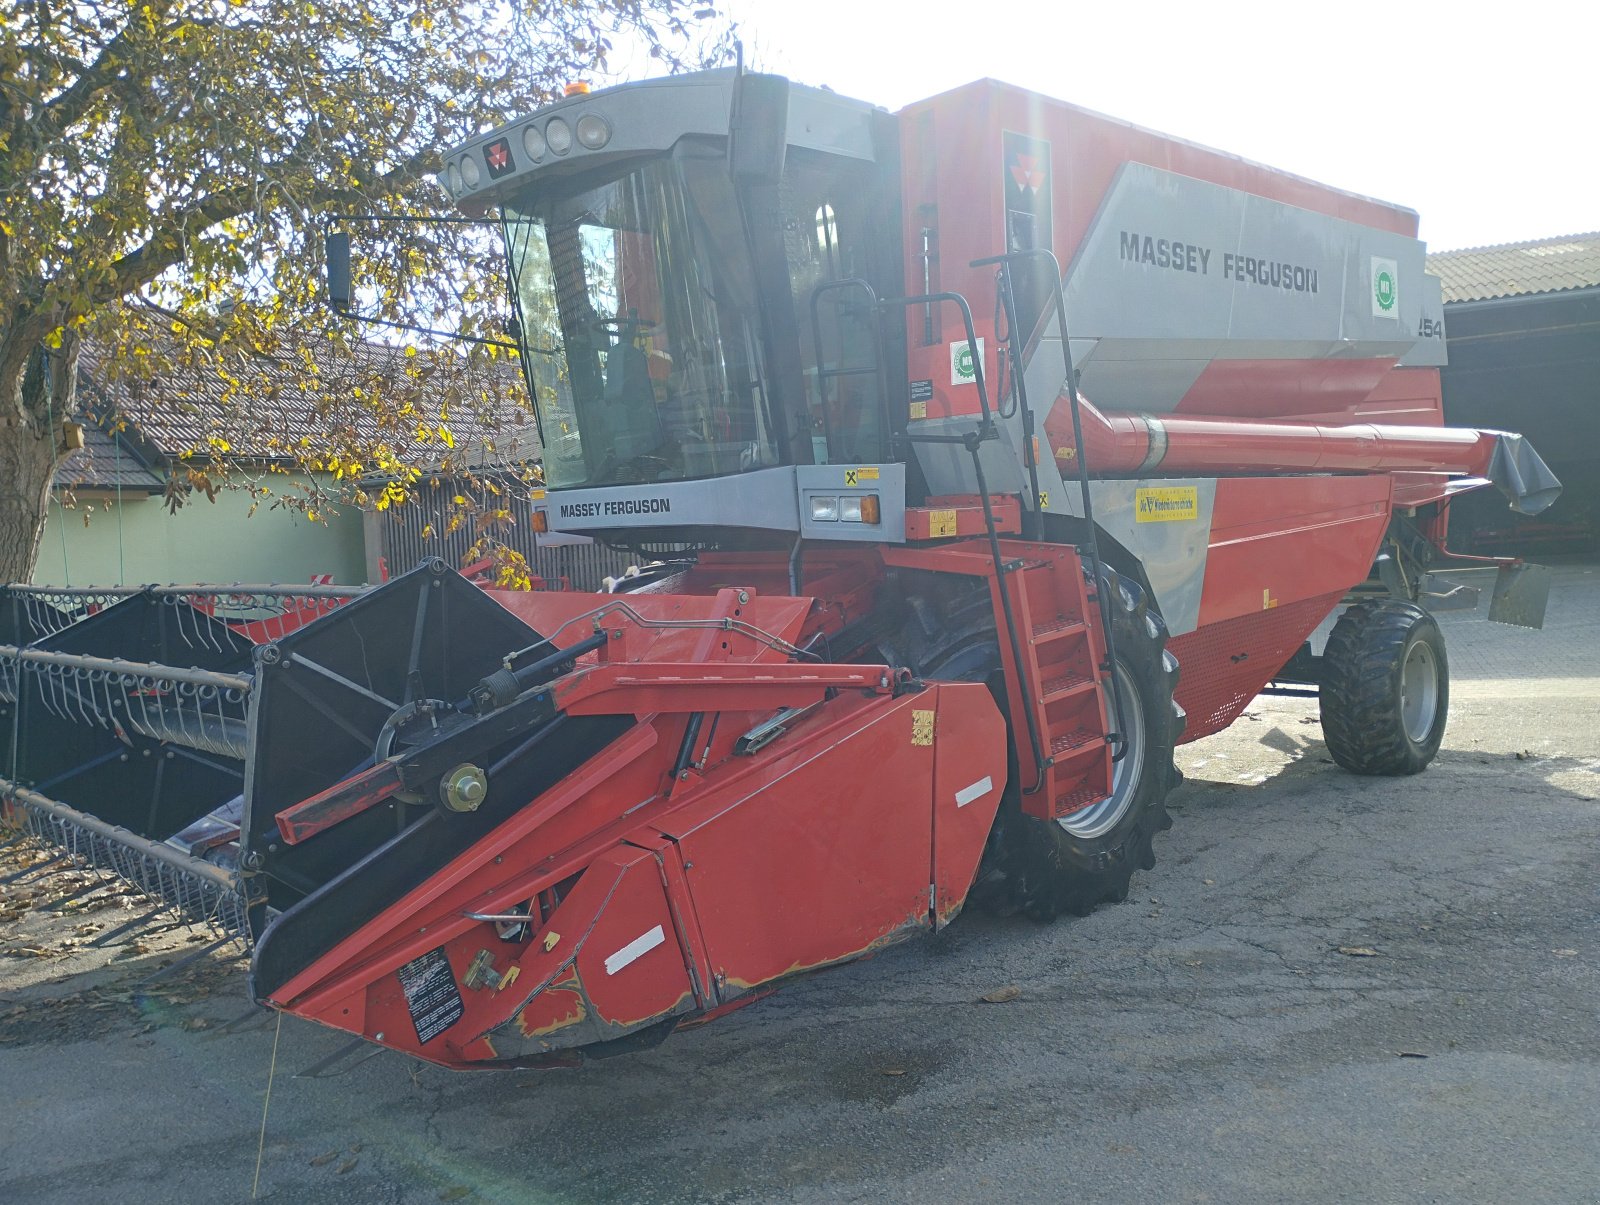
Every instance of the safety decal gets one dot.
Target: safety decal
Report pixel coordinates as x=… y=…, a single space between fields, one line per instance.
x=1166 y=503
x=857 y=476
x=941 y=523
x=922 y=727
x=634 y=950
x=432 y=997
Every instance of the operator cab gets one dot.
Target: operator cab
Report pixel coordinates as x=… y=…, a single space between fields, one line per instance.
x=663 y=285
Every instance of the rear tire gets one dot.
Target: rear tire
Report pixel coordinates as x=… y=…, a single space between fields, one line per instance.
x=1385 y=689
x=1046 y=868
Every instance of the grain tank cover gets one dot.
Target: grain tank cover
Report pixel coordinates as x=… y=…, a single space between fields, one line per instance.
x=1196 y=281
x=1177 y=277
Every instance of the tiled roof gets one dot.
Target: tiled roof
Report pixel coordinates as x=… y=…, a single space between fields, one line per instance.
x=106 y=462
x=1549 y=265
x=274 y=403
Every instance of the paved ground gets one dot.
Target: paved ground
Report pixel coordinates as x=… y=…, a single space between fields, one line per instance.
x=1220 y=1037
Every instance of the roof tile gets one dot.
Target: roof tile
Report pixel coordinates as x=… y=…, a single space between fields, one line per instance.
x=1550 y=265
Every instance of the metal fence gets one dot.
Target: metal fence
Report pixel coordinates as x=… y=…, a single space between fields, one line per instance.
x=412 y=533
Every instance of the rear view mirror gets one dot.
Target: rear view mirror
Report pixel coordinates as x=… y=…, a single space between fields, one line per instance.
x=336 y=252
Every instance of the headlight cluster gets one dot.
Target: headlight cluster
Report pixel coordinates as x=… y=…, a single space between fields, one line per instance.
x=845 y=508
x=552 y=136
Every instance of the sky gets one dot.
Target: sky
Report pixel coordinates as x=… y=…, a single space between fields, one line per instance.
x=1483 y=118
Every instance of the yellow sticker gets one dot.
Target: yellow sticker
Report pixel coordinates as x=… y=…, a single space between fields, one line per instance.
x=919 y=410
x=1166 y=503
x=864 y=473
x=922 y=727
x=537 y=495
x=941 y=523
x=1044 y=499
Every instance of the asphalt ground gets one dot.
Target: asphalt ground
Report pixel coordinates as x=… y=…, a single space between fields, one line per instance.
x=1330 y=988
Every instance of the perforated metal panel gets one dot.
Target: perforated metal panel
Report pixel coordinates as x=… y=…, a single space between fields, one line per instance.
x=1225 y=665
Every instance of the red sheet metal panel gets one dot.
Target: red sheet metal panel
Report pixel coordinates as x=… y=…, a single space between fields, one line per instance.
x=1280 y=540
x=831 y=858
x=969 y=778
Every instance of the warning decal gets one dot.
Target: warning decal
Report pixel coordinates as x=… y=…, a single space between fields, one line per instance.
x=1164 y=504
x=432 y=997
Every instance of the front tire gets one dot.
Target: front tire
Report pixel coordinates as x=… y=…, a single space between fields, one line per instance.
x=1385 y=688
x=1068 y=866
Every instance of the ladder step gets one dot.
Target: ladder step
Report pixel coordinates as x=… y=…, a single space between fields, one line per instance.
x=1057 y=629
x=1077 y=741
x=1065 y=686
x=1076 y=801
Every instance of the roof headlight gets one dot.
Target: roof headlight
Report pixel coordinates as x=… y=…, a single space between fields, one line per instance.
x=594 y=131
x=533 y=142
x=825 y=509
x=452 y=178
x=470 y=171
x=558 y=135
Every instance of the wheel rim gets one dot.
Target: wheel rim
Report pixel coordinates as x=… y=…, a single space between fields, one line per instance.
x=1125 y=773
x=1419 y=692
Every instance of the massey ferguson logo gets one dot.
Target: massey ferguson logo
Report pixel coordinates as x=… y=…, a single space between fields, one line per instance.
x=616 y=506
x=498 y=156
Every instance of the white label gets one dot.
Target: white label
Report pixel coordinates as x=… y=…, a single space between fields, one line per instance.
x=635 y=949
x=963 y=368
x=976 y=791
x=1385 y=288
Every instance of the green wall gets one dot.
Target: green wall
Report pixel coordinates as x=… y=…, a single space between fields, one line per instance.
x=140 y=542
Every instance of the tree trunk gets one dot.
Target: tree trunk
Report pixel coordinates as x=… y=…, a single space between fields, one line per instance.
x=41 y=396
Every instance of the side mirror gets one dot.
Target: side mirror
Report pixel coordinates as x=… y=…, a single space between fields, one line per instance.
x=758 y=128
x=336 y=252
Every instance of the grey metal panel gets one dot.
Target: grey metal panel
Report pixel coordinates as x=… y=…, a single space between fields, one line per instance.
x=1152 y=386
x=825 y=121
x=1430 y=349
x=766 y=499
x=947 y=468
x=1173 y=554
x=1171 y=259
x=850 y=481
x=651 y=116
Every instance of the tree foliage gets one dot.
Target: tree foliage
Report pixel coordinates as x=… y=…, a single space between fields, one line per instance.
x=165 y=170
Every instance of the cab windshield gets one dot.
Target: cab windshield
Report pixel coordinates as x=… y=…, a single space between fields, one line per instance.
x=638 y=312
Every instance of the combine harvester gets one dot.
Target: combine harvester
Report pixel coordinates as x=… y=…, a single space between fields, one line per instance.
x=926 y=641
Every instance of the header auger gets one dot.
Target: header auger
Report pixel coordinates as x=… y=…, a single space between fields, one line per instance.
x=977 y=542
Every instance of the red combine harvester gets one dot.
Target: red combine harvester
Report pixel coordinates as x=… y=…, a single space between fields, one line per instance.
x=922 y=638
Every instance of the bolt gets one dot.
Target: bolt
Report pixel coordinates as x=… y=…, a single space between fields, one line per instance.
x=464 y=788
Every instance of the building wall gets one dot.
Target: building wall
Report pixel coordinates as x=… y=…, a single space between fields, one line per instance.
x=140 y=542
x=1530 y=364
